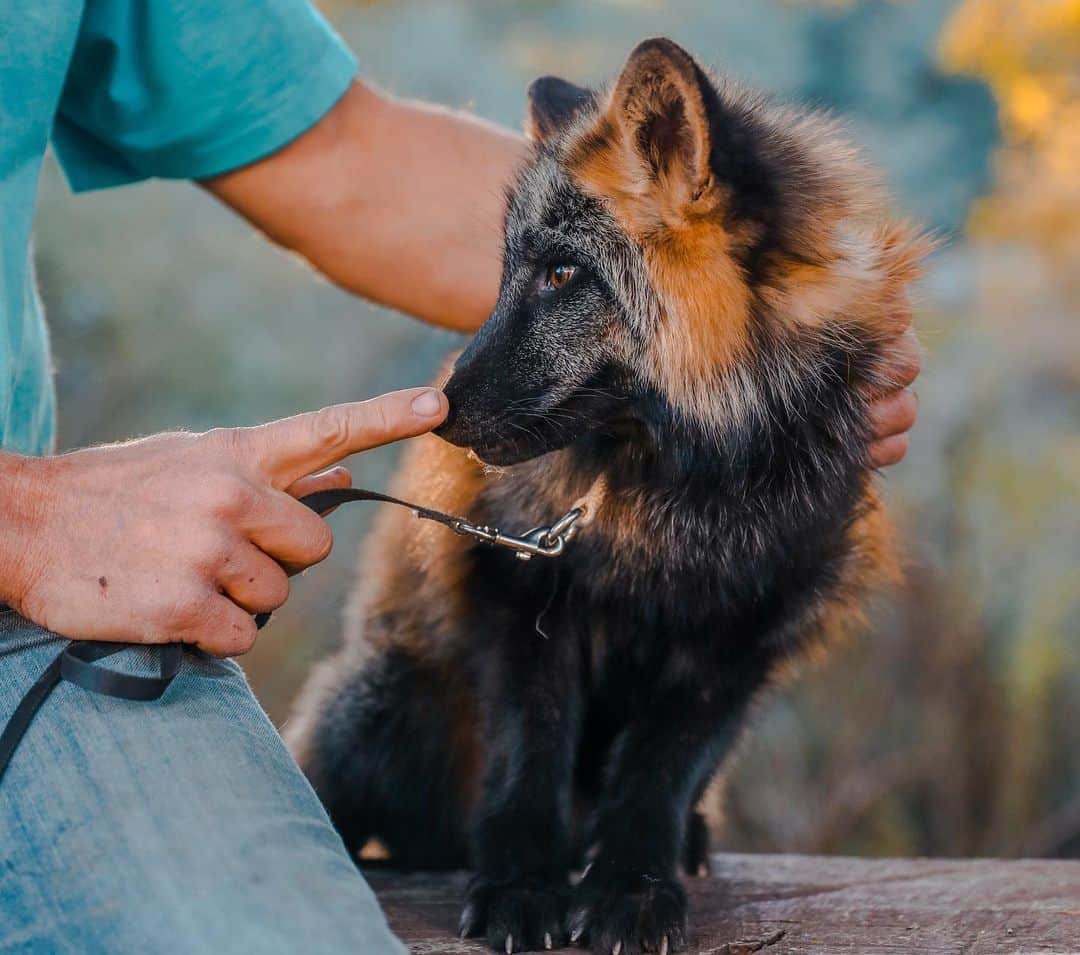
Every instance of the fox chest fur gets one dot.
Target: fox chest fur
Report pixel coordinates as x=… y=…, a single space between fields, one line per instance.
x=698 y=301
x=671 y=571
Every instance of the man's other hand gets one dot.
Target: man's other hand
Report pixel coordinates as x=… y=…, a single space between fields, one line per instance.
x=893 y=412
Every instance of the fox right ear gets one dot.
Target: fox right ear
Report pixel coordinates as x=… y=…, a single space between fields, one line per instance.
x=659 y=104
x=552 y=104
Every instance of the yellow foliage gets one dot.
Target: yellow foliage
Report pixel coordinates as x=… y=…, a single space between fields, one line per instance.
x=1028 y=52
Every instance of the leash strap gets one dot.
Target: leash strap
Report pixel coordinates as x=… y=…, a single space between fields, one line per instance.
x=78 y=662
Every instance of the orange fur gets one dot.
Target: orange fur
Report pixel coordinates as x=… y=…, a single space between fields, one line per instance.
x=849 y=266
x=411 y=563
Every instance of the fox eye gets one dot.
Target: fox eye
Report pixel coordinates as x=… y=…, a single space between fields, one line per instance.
x=557 y=277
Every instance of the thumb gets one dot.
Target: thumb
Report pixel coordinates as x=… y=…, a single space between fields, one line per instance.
x=294 y=447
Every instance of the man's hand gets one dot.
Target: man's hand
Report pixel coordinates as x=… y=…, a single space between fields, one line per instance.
x=893 y=412
x=182 y=537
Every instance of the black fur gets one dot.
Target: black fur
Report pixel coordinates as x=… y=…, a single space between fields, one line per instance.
x=602 y=690
x=610 y=685
x=553 y=103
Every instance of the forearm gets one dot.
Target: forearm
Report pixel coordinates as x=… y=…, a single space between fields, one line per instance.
x=397 y=201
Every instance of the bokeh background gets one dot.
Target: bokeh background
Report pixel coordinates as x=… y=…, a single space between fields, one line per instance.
x=953 y=725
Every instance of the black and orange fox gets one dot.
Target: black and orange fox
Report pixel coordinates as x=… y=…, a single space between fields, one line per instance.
x=697 y=303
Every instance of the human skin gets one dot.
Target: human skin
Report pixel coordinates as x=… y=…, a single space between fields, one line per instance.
x=181 y=537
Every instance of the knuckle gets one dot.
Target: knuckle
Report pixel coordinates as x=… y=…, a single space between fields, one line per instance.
x=225 y=440
x=321 y=541
x=187 y=611
x=312 y=541
x=907 y=410
x=909 y=358
x=878 y=411
x=277 y=588
x=243 y=635
x=910 y=369
x=214 y=551
x=229 y=494
x=223 y=629
x=381 y=421
x=891 y=451
x=331 y=428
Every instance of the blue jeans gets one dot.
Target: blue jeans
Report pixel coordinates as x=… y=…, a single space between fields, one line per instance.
x=181 y=825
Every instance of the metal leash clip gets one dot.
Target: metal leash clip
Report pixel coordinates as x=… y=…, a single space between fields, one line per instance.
x=78 y=661
x=542 y=541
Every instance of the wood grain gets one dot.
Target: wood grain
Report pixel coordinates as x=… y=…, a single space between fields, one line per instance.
x=819 y=905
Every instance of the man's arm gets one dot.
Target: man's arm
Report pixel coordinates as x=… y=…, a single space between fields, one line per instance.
x=402 y=203
x=397 y=201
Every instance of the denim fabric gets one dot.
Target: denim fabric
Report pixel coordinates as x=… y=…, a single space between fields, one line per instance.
x=181 y=825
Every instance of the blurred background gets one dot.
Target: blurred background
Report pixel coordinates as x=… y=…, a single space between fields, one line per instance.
x=953 y=726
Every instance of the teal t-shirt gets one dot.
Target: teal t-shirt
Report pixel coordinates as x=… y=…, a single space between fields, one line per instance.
x=126 y=90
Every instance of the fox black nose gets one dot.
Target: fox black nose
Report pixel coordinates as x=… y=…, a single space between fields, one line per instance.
x=449 y=421
x=454 y=426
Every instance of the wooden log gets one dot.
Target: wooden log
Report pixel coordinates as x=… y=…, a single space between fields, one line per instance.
x=818 y=905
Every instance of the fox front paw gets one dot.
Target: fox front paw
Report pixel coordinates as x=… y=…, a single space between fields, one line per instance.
x=622 y=913
x=519 y=916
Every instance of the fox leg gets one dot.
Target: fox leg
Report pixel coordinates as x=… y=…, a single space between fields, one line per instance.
x=630 y=899
x=696 y=845
x=390 y=753
x=521 y=840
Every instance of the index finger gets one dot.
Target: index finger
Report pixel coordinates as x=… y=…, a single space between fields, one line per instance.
x=291 y=448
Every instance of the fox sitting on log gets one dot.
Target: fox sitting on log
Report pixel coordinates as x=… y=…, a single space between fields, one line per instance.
x=697 y=304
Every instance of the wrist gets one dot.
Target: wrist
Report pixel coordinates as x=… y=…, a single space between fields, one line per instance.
x=24 y=494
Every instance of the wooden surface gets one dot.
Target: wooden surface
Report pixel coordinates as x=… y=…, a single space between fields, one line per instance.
x=819 y=905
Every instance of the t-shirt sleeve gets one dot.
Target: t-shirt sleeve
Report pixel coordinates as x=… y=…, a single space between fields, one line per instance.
x=186 y=89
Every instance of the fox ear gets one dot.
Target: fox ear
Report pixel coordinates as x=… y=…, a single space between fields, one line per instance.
x=552 y=104
x=658 y=103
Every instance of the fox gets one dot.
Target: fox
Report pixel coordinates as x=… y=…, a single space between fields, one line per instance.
x=697 y=305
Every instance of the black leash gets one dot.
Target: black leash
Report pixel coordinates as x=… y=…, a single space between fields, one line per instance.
x=78 y=662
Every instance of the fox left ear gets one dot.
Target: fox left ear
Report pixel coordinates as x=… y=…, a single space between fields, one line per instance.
x=659 y=105
x=552 y=104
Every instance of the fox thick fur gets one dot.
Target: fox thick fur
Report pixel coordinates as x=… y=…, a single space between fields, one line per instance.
x=699 y=297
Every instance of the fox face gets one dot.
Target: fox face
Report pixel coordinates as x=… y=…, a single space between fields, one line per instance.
x=679 y=254
x=554 y=359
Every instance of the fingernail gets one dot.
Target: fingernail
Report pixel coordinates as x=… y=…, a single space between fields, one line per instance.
x=428 y=404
